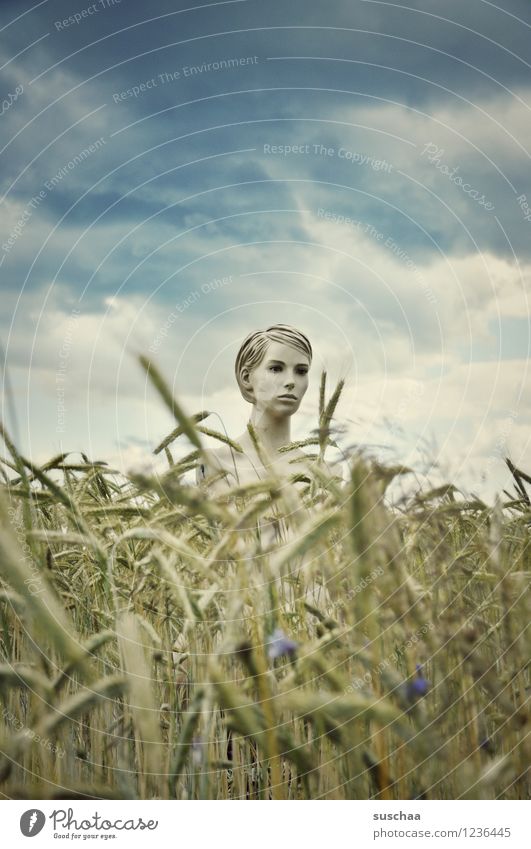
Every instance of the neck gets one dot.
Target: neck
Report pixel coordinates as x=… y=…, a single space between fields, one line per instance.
x=273 y=432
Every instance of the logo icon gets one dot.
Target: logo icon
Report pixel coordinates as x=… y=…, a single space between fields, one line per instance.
x=31 y=822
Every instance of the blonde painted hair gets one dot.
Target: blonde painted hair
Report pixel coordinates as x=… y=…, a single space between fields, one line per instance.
x=254 y=347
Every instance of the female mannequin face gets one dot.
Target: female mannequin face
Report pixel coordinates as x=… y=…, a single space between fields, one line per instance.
x=282 y=372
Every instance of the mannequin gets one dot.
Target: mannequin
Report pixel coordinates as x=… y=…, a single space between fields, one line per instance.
x=272 y=369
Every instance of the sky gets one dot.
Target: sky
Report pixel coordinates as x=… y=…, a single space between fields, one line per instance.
x=177 y=174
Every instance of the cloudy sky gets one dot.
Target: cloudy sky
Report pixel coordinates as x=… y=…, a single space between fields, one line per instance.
x=176 y=174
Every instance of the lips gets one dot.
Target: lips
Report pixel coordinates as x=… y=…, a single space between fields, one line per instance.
x=291 y=397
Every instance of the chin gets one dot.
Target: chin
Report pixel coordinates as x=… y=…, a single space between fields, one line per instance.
x=283 y=409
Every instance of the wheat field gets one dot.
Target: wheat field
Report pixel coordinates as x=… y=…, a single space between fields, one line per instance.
x=158 y=644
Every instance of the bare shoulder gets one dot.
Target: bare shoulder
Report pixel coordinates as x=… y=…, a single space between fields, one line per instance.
x=220 y=457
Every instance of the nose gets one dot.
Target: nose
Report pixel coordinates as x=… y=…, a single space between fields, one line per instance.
x=290 y=383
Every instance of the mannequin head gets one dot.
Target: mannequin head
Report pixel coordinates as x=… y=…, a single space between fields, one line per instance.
x=271 y=364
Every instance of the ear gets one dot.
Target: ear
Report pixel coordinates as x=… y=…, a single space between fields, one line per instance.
x=246 y=381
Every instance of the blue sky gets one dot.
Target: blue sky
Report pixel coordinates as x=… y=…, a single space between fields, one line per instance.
x=175 y=175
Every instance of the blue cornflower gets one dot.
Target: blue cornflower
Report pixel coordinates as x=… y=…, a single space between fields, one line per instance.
x=486 y=745
x=280 y=644
x=417 y=687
